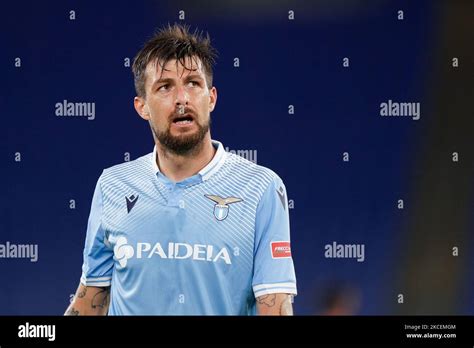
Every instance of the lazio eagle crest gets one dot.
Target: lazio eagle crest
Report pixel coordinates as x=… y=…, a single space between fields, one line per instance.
x=221 y=209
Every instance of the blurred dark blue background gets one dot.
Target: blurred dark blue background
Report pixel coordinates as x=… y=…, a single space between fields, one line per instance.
x=282 y=62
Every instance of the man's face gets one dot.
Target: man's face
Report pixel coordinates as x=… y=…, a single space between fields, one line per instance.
x=178 y=104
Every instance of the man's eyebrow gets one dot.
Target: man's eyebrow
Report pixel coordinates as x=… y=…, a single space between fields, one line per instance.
x=163 y=80
x=187 y=78
x=193 y=77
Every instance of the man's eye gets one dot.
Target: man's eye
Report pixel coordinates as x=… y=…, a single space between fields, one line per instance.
x=194 y=83
x=163 y=88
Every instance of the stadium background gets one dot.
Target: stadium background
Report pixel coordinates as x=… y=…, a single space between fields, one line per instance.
x=283 y=62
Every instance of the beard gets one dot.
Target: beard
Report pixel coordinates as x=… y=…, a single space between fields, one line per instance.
x=182 y=145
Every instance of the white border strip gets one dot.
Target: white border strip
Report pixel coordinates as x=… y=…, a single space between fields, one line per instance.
x=100 y=281
x=274 y=285
x=283 y=288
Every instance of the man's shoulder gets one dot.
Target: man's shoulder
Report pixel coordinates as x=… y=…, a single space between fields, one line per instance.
x=130 y=169
x=241 y=167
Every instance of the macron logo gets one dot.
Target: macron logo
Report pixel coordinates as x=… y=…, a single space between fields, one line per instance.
x=179 y=251
x=131 y=200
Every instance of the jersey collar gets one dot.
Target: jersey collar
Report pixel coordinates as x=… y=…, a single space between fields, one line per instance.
x=206 y=172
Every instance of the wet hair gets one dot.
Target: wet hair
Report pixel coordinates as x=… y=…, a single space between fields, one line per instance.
x=174 y=42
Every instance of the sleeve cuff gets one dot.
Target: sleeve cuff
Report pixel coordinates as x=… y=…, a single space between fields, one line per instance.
x=274 y=288
x=96 y=281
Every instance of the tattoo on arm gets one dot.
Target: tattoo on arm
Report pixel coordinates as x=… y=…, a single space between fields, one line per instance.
x=275 y=304
x=267 y=300
x=82 y=293
x=72 y=311
x=101 y=298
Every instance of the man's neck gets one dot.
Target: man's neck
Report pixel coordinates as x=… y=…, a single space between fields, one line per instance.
x=177 y=168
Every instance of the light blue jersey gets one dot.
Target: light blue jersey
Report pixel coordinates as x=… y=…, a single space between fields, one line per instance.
x=209 y=244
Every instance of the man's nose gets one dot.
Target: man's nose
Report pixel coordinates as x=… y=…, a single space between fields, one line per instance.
x=182 y=96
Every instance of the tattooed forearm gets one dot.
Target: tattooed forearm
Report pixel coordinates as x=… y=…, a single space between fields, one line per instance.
x=72 y=311
x=101 y=298
x=286 y=307
x=90 y=300
x=82 y=293
x=267 y=300
x=275 y=304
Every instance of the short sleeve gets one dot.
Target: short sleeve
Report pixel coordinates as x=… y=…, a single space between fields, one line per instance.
x=98 y=257
x=273 y=264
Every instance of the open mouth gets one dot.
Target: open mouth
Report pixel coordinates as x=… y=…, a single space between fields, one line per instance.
x=183 y=119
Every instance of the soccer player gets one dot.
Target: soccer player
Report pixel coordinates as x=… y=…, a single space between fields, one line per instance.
x=188 y=228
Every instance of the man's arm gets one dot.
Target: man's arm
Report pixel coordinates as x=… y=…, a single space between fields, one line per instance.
x=90 y=300
x=275 y=304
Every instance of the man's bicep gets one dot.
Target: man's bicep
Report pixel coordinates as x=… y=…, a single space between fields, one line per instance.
x=275 y=304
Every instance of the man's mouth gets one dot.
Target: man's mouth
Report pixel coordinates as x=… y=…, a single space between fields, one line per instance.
x=183 y=119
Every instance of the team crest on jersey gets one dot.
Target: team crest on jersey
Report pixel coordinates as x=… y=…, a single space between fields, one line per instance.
x=221 y=209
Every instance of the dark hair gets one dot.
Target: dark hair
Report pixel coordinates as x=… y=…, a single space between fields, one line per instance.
x=173 y=42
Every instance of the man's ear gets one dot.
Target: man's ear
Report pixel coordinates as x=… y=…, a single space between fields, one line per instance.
x=141 y=107
x=212 y=98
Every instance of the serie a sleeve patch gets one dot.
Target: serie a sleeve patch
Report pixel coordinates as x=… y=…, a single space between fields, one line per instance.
x=280 y=250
